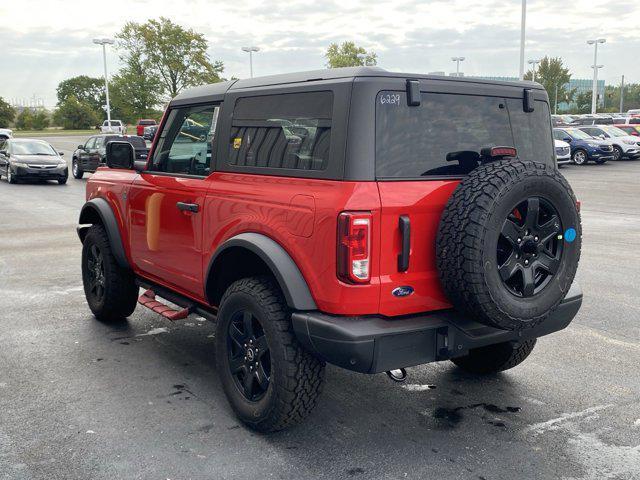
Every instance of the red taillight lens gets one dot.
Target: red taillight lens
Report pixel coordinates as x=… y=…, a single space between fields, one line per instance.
x=354 y=247
x=504 y=152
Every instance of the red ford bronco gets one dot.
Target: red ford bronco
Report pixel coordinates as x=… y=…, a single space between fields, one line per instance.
x=368 y=219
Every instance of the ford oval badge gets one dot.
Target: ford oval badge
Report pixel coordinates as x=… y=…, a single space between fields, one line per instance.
x=404 y=291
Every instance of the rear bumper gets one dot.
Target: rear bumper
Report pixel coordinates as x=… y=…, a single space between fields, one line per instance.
x=378 y=344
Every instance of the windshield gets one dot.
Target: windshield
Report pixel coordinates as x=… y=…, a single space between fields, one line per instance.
x=615 y=132
x=445 y=134
x=34 y=147
x=578 y=134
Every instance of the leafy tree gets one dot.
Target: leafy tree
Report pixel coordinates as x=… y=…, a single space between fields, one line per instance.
x=7 y=113
x=40 y=119
x=135 y=93
x=75 y=115
x=583 y=102
x=24 y=121
x=175 y=56
x=552 y=73
x=349 y=55
x=87 y=90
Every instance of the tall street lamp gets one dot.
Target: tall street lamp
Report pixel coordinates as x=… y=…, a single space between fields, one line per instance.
x=104 y=42
x=457 y=60
x=523 y=23
x=250 y=50
x=595 y=66
x=534 y=64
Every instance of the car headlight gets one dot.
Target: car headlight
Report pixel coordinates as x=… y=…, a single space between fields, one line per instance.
x=62 y=165
x=20 y=164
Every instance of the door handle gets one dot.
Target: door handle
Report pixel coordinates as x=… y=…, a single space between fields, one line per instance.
x=405 y=235
x=188 y=207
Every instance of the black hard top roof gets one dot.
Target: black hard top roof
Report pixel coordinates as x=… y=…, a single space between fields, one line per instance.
x=328 y=74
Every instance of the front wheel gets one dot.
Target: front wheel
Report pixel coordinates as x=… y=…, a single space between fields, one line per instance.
x=62 y=181
x=10 y=177
x=495 y=358
x=76 y=170
x=110 y=290
x=271 y=382
x=579 y=157
x=617 y=153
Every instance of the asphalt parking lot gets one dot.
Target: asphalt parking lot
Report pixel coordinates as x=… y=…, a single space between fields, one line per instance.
x=84 y=400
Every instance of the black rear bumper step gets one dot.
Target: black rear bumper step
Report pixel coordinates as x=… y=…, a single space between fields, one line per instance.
x=379 y=344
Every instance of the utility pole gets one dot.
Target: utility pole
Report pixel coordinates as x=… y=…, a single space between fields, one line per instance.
x=250 y=50
x=622 y=95
x=555 y=105
x=522 y=36
x=534 y=64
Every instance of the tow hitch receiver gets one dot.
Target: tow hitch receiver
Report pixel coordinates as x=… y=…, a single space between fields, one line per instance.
x=148 y=299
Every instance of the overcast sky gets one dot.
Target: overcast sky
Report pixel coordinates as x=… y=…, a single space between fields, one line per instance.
x=45 y=41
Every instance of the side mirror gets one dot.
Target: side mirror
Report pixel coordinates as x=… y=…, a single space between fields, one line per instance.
x=120 y=155
x=61 y=153
x=80 y=147
x=603 y=136
x=567 y=139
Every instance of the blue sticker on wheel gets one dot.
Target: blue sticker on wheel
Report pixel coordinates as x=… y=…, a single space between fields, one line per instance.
x=570 y=235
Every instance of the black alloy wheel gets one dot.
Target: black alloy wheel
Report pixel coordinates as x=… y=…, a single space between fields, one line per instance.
x=249 y=356
x=530 y=247
x=96 y=273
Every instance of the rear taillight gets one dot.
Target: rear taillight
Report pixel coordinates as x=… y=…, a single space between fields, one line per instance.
x=354 y=247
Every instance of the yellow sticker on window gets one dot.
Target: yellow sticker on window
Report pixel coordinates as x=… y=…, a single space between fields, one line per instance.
x=237 y=142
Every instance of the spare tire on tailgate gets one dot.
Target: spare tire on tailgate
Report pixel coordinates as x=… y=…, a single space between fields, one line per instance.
x=508 y=244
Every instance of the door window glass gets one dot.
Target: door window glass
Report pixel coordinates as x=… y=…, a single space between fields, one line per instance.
x=186 y=142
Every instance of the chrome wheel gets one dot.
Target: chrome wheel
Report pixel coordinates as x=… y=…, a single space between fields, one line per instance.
x=580 y=157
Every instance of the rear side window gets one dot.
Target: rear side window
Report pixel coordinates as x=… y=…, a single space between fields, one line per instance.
x=443 y=135
x=287 y=131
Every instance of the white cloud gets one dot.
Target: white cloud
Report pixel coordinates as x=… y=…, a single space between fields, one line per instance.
x=45 y=41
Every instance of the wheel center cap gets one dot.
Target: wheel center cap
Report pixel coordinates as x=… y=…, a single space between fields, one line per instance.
x=251 y=355
x=529 y=246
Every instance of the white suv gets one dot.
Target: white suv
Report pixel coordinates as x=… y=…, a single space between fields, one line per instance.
x=113 y=126
x=624 y=145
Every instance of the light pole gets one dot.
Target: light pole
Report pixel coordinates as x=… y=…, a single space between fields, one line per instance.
x=595 y=66
x=457 y=60
x=622 y=94
x=104 y=42
x=522 y=30
x=250 y=50
x=534 y=64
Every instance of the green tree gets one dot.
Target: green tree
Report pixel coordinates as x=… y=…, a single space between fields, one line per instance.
x=349 y=55
x=552 y=74
x=75 y=115
x=7 y=113
x=40 y=119
x=175 y=56
x=87 y=90
x=24 y=121
x=583 y=102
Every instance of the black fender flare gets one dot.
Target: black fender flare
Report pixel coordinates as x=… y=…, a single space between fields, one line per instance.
x=287 y=274
x=101 y=208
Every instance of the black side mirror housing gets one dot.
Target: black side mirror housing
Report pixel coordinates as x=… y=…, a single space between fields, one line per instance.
x=61 y=153
x=120 y=155
x=567 y=139
x=80 y=147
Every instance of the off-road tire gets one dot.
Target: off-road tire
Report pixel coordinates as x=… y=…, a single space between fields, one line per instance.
x=120 y=291
x=296 y=375
x=495 y=358
x=468 y=238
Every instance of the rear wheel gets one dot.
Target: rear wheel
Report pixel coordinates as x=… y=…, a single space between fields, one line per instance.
x=495 y=358
x=110 y=290
x=270 y=381
x=579 y=157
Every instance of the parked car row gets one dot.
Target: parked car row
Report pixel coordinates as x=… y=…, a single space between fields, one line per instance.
x=629 y=118
x=598 y=143
x=118 y=127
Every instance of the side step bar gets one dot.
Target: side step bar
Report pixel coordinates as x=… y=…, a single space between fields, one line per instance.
x=188 y=306
x=148 y=299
